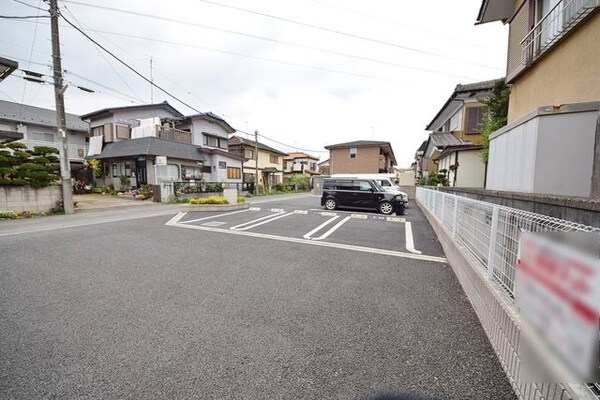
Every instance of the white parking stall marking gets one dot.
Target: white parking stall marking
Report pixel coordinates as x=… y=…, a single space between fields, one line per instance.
x=214 y=223
x=277 y=210
x=304 y=212
x=255 y=220
x=335 y=227
x=328 y=214
x=318 y=228
x=214 y=216
x=359 y=216
x=395 y=219
x=279 y=216
x=254 y=208
x=410 y=245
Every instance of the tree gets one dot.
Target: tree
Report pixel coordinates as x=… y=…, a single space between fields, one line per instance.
x=496 y=115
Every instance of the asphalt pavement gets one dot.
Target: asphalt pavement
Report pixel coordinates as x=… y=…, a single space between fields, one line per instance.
x=148 y=305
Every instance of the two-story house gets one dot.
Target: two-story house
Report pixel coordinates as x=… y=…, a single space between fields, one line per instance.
x=454 y=144
x=270 y=162
x=35 y=126
x=551 y=144
x=300 y=163
x=135 y=141
x=361 y=157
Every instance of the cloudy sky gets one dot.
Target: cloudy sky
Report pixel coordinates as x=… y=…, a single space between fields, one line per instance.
x=306 y=73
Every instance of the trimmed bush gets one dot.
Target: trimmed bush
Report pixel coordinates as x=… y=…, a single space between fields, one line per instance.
x=208 y=200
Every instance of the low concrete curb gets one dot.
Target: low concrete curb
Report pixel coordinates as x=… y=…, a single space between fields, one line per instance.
x=212 y=207
x=499 y=318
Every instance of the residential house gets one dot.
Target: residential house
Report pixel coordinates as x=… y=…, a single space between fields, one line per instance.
x=361 y=157
x=153 y=143
x=324 y=167
x=300 y=163
x=455 y=142
x=405 y=176
x=420 y=161
x=551 y=144
x=35 y=126
x=270 y=162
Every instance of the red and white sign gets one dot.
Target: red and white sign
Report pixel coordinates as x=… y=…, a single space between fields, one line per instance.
x=558 y=292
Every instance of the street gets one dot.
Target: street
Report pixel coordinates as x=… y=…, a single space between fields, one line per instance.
x=282 y=300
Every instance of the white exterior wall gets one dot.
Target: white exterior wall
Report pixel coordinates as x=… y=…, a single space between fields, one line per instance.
x=547 y=154
x=471 y=169
x=202 y=125
x=511 y=163
x=75 y=140
x=220 y=175
x=456 y=120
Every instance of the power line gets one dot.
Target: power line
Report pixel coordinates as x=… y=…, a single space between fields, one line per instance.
x=23 y=16
x=258 y=37
x=29 y=5
x=135 y=95
x=391 y=21
x=338 y=32
x=283 y=144
x=128 y=66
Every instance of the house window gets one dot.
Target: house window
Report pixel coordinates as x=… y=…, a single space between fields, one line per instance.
x=222 y=165
x=234 y=173
x=191 y=172
x=127 y=169
x=106 y=169
x=98 y=131
x=274 y=159
x=313 y=166
x=211 y=141
x=353 y=152
x=42 y=136
x=223 y=144
x=114 y=170
x=475 y=117
x=249 y=154
x=123 y=132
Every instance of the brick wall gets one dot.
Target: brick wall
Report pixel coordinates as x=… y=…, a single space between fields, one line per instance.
x=16 y=198
x=366 y=161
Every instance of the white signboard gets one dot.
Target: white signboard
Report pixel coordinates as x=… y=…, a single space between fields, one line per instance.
x=558 y=293
x=161 y=160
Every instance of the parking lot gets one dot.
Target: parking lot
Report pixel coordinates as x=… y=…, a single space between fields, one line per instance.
x=304 y=221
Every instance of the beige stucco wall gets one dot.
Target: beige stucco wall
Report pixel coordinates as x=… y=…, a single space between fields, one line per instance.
x=566 y=74
x=264 y=161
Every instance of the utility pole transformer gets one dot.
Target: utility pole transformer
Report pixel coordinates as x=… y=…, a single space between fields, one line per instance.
x=61 y=119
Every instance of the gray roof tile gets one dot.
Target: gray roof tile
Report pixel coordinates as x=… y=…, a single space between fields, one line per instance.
x=23 y=113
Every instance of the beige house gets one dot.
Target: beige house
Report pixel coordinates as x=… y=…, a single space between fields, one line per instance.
x=300 y=163
x=361 y=157
x=551 y=144
x=270 y=162
x=454 y=145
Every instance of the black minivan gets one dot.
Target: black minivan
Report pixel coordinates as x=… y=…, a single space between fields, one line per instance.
x=363 y=194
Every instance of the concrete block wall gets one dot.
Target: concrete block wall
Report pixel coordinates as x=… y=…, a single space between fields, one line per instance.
x=19 y=198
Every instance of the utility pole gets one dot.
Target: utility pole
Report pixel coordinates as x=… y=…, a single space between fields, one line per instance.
x=256 y=161
x=61 y=119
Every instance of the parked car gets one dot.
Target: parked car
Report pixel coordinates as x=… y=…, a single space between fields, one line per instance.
x=362 y=194
x=384 y=180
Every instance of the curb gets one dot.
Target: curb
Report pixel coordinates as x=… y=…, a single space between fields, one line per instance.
x=213 y=207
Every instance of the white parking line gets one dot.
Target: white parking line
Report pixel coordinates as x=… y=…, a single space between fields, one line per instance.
x=410 y=245
x=277 y=210
x=335 y=227
x=328 y=214
x=174 y=222
x=212 y=216
x=318 y=228
x=279 y=216
x=255 y=220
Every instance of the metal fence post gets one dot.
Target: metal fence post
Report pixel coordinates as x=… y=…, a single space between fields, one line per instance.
x=454 y=216
x=492 y=247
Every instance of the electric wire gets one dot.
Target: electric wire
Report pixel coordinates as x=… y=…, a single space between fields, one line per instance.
x=128 y=66
x=29 y=5
x=338 y=32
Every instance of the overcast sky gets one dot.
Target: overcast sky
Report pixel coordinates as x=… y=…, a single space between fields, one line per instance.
x=300 y=85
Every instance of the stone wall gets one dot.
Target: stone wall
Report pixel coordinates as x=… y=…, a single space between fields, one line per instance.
x=20 y=198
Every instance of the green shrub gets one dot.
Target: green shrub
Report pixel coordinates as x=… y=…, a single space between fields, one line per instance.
x=241 y=199
x=209 y=200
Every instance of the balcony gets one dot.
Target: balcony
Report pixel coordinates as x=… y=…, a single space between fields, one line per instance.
x=174 y=134
x=526 y=45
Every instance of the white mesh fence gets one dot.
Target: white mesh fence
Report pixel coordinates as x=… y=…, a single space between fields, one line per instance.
x=491 y=232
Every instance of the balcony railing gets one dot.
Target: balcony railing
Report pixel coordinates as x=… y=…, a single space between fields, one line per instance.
x=526 y=45
x=174 y=134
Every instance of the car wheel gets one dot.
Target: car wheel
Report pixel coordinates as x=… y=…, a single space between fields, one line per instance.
x=330 y=204
x=386 y=208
